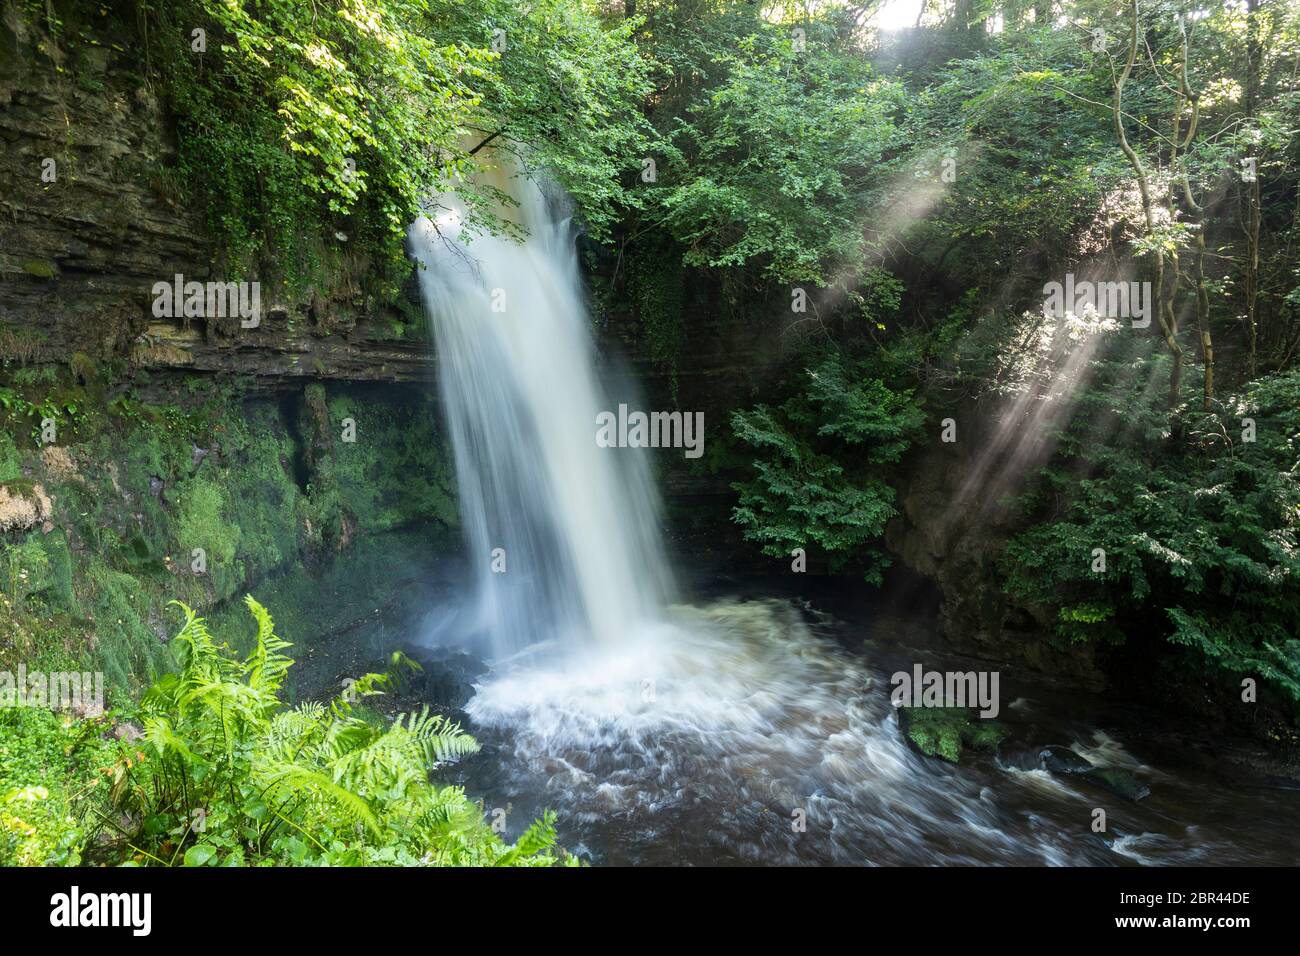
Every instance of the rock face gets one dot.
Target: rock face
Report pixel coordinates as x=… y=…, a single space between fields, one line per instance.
x=91 y=217
x=954 y=520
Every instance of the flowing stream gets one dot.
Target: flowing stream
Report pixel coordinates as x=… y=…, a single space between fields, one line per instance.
x=738 y=730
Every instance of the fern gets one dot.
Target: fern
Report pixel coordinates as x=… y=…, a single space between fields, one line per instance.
x=228 y=774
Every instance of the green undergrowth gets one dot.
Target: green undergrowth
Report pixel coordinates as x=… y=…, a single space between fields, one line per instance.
x=1185 y=531
x=213 y=768
x=50 y=766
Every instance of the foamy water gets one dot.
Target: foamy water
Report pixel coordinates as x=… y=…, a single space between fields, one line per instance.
x=739 y=707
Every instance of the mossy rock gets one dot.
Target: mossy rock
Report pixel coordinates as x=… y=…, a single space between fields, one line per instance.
x=945 y=731
x=1119 y=782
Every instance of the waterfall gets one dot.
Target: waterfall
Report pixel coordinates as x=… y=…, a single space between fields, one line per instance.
x=562 y=534
x=735 y=730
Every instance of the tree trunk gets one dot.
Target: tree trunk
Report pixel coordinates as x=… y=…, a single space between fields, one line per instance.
x=1185 y=95
x=1164 y=314
x=1253 y=56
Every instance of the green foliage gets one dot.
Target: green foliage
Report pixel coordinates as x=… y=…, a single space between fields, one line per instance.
x=33 y=831
x=228 y=775
x=56 y=406
x=49 y=764
x=302 y=120
x=1023 y=188
x=821 y=460
x=1201 y=528
x=566 y=95
x=944 y=731
x=767 y=149
x=294 y=113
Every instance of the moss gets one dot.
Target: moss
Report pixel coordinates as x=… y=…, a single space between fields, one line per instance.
x=263 y=501
x=398 y=471
x=54 y=588
x=11 y=463
x=204 y=527
x=42 y=268
x=126 y=648
x=944 y=731
x=265 y=488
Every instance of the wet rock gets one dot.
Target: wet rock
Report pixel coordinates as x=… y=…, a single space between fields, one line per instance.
x=449 y=680
x=1119 y=782
x=1064 y=760
x=1018 y=756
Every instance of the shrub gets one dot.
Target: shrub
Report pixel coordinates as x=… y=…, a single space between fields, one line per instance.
x=820 y=466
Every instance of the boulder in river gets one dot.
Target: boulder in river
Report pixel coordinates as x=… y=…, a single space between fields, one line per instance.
x=1119 y=782
x=1064 y=760
x=1013 y=755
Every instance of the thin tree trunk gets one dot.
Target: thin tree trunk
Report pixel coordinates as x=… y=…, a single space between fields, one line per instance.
x=1168 y=329
x=1198 y=269
x=1253 y=56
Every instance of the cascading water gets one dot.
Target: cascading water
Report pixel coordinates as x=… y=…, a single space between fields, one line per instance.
x=562 y=532
x=742 y=731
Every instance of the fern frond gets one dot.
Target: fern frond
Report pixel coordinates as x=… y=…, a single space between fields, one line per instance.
x=294 y=779
x=440 y=739
x=162 y=736
x=294 y=730
x=537 y=839
x=265 y=665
